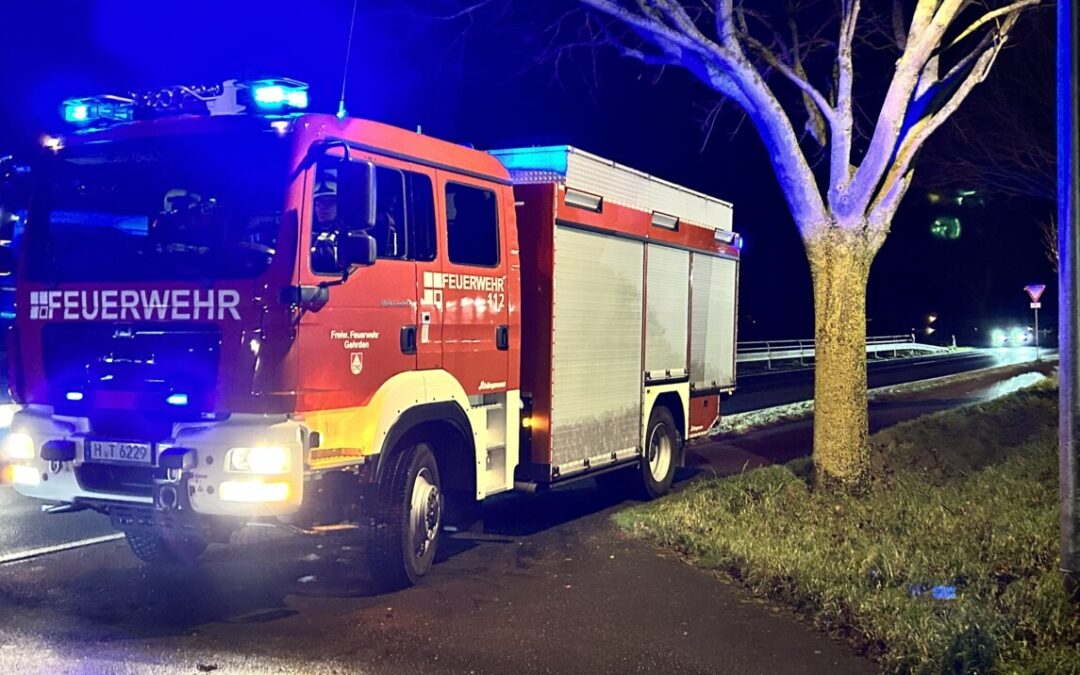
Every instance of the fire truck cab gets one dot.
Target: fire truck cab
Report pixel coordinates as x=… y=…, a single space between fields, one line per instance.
x=229 y=310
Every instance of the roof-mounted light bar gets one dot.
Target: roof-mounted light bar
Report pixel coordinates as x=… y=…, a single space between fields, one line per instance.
x=279 y=94
x=100 y=108
x=273 y=97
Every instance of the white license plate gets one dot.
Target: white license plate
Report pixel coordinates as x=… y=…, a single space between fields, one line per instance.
x=120 y=452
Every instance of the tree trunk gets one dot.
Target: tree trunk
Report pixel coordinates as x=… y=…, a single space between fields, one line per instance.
x=840 y=265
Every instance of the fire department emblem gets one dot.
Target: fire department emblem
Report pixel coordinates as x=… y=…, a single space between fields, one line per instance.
x=356 y=362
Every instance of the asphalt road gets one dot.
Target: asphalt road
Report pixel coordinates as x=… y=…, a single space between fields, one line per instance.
x=759 y=388
x=550 y=586
x=24 y=528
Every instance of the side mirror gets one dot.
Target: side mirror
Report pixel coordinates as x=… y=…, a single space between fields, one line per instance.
x=355 y=185
x=372 y=192
x=356 y=248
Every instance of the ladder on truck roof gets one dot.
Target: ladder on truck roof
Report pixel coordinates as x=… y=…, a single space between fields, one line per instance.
x=616 y=183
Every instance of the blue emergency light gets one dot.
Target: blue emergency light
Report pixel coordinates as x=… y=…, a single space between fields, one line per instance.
x=546 y=158
x=279 y=94
x=177 y=399
x=273 y=97
x=83 y=111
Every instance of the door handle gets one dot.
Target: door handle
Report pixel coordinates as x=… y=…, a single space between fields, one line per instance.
x=502 y=337
x=408 y=339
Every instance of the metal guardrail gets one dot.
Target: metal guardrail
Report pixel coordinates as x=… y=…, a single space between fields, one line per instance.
x=787 y=350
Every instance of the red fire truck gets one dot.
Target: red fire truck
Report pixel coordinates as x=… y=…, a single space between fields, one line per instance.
x=229 y=310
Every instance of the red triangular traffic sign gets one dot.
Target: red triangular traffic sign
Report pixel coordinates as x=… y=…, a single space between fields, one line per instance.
x=1035 y=291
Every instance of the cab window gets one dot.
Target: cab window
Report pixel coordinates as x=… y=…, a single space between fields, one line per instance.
x=472 y=225
x=404 y=227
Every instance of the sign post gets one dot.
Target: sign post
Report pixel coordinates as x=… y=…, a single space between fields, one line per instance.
x=1035 y=292
x=1068 y=165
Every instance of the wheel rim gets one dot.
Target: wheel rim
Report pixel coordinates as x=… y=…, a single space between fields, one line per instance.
x=660 y=453
x=425 y=513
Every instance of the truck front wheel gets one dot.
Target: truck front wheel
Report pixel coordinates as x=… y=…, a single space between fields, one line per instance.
x=408 y=519
x=151 y=547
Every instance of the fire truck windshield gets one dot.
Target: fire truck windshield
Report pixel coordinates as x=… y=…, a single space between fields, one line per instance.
x=203 y=207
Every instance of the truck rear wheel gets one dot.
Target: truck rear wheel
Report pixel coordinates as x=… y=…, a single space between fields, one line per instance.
x=661 y=453
x=653 y=475
x=156 y=548
x=408 y=519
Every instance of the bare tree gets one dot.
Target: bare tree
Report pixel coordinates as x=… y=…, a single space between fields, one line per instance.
x=944 y=48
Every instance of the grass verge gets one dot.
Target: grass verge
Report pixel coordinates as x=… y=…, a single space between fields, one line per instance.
x=965 y=499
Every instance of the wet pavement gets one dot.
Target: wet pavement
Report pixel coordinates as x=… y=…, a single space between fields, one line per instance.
x=525 y=597
x=760 y=388
x=549 y=586
x=23 y=527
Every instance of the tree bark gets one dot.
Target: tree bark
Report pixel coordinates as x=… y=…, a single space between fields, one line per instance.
x=840 y=260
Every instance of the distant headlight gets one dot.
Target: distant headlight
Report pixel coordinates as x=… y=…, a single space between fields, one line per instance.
x=19 y=447
x=260 y=459
x=998 y=336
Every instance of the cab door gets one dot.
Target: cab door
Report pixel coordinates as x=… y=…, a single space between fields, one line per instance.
x=473 y=283
x=367 y=331
x=421 y=214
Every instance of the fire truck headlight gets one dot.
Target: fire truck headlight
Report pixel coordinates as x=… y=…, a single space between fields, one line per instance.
x=7 y=414
x=19 y=447
x=253 y=491
x=25 y=475
x=259 y=459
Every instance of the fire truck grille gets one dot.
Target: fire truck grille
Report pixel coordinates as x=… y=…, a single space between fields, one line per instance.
x=135 y=481
x=131 y=367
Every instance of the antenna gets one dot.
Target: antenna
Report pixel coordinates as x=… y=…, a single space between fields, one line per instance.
x=345 y=70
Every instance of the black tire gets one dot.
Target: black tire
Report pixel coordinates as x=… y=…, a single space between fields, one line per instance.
x=663 y=443
x=158 y=549
x=401 y=550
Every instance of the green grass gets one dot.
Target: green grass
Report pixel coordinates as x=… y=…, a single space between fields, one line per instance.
x=966 y=498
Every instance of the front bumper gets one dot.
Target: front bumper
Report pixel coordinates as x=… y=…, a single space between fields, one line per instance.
x=206 y=488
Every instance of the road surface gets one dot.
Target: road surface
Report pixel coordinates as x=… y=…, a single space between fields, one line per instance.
x=26 y=529
x=550 y=586
x=760 y=388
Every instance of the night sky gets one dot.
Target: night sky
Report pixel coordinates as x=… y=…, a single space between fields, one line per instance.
x=491 y=79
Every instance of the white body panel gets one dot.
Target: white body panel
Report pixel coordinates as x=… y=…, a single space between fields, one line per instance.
x=596 y=378
x=495 y=419
x=667 y=308
x=712 y=332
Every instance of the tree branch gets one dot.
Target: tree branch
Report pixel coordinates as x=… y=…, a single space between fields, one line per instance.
x=843 y=124
x=725 y=67
x=1015 y=7
x=916 y=73
x=797 y=78
x=898 y=25
x=924 y=34
x=916 y=136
